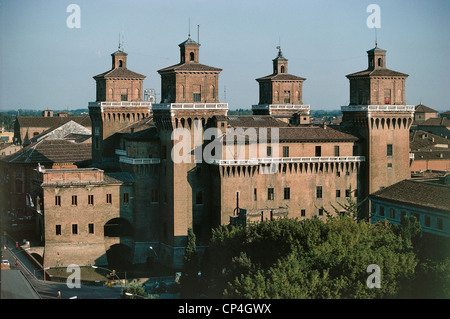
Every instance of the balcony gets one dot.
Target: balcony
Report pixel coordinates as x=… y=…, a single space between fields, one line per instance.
x=121 y=152
x=190 y=106
x=121 y=103
x=379 y=108
x=296 y=107
x=271 y=160
x=138 y=161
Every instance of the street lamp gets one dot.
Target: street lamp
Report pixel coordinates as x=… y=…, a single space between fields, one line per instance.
x=95 y=267
x=159 y=265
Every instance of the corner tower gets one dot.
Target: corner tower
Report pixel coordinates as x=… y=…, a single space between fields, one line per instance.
x=378 y=113
x=189 y=100
x=118 y=104
x=280 y=94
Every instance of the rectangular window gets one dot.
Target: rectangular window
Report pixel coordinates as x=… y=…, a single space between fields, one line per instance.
x=336 y=150
x=108 y=198
x=381 y=211
x=338 y=193
x=58 y=200
x=348 y=193
x=320 y=211
x=392 y=213
x=319 y=192
x=74 y=200
x=389 y=165
x=91 y=228
x=389 y=150
x=155 y=196
x=285 y=151
x=427 y=221
x=197 y=97
x=387 y=96
x=124 y=97
x=199 y=197
x=90 y=199
x=255 y=194
x=440 y=224
x=58 y=230
x=318 y=151
x=74 y=229
x=287 y=97
x=270 y=194
x=287 y=193
x=126 y=198
x=269 y=151
x=303 y=212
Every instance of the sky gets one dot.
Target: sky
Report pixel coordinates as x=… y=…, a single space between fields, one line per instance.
x=45 y=64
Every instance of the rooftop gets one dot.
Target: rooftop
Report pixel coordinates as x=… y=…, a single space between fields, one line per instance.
x=427 y=195
x=119 y=73
x=51 y=121
x=425 y=109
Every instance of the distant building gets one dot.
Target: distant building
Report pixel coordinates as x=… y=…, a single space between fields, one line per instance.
x=445 y=114
x=67 y=146
x=424 y=113
x=27 y=127
x=427 y=199
x=429 y=151
x=439 y=126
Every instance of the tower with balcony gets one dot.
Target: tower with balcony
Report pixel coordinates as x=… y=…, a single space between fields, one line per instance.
x=280 y=94
x=378 y=113
x=189 y=100
x=119 y=103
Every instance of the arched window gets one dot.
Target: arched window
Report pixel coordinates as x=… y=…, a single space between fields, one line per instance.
x=380 y=62
x=120 y=63
x=191 y=55
x=282 y=69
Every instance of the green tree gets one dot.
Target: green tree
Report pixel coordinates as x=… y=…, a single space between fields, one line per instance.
x=288 y=258
x=189 y=277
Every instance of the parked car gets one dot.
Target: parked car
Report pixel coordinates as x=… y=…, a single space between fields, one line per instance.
x=6 y=262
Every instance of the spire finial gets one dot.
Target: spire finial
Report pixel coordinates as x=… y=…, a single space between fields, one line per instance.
x=189 y=34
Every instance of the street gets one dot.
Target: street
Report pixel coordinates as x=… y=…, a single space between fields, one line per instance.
x=48 y=289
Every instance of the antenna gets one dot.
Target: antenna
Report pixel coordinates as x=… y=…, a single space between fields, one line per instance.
x=198 y=33
x=376 y=38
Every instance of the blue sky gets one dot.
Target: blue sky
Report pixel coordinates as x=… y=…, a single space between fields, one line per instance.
x=45 y=64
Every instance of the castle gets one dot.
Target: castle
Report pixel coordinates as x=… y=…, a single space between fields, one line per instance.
x=137 y=200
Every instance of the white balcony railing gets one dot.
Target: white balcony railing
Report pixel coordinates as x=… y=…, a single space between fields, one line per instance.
x=121 y=152
x=383 y=108
x=190 y=106
x=137 y=161
x=304 y=107
x=121 y=103
x=271 y=160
